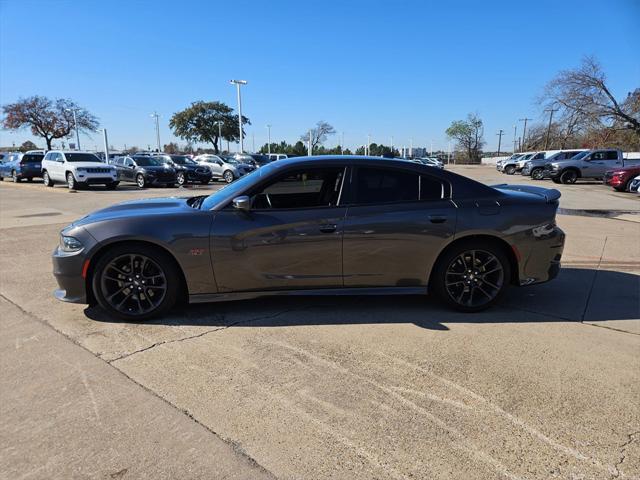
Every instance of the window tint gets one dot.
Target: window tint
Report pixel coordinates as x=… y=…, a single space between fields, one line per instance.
x=32 y=157
x=612 y=155
x=302 y=189
x=81 y=157
x=430 y=188
x=377 y=185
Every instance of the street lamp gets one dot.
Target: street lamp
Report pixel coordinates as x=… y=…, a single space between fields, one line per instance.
x=75 y=123
x=219 y=123
x=237 y=83
x=269 y=140
x=156 y=116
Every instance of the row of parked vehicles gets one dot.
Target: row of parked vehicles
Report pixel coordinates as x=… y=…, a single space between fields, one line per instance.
x=569 y=166
x=79 y=169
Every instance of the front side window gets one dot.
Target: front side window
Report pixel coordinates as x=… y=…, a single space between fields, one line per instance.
x=306 y=188
x=379 y=185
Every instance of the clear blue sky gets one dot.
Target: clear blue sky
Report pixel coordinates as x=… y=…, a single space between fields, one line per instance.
x=401 y=68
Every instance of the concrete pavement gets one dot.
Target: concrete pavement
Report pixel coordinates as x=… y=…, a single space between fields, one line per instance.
x=544 y=386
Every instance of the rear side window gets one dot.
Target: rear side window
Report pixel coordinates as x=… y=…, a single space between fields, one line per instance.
x=612 y=155
x=431 y=188
x=378 y=185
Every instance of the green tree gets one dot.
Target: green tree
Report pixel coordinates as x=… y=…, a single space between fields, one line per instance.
x=171 y=148
x=198 y=123
x=49 y=119
x=469 y=136
x=28 y=145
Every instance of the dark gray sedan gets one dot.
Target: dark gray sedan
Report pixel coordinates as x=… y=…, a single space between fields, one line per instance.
x=314 y=226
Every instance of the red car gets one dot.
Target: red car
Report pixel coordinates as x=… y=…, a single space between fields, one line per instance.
x=620 y=179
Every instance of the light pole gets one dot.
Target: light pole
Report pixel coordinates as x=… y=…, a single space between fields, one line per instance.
x=368 y=149
x=219 y=123
x=524 y=131
x=500 y=132
x=309 y=151
x=75 y=124
x=515 y=134
x=432 y=148
x=410 y=147
x=156 y=116
x=392 y=145
x=238 y=83
x=269 y=139
x=342 y=144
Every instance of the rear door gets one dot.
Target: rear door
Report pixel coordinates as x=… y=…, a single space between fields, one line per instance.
x=602 y=161
x=290 y=239
x=397 y=223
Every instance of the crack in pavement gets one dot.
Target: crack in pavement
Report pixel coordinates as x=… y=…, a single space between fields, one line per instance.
x=593 y=282
x=623 y=455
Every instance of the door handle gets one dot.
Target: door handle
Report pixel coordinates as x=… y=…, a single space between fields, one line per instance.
x=328 y=228
x=437 y=218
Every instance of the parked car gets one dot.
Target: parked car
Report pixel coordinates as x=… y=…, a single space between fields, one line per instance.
x=23 y=166
x=511 y=165
x=298 y=226
x=620 y=179
x=227 y=169
x=588 y=164
x=535 y=168
x=430 y=161
x=634 y=186
x=500 y=164
x=77 y=169
x=188 y=171
x=7 y=164
x=276 y=156
x=146 y=171
x=258 y=159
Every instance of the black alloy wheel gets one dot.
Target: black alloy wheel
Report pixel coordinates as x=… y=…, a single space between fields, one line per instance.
x=569 y=177
x=181 y=179
x=537 y=174
x=135 y=283
x=472 y=277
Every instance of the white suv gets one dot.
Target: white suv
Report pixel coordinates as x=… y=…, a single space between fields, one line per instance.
x=77 y=169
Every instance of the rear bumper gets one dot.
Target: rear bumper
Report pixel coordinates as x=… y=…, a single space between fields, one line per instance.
x=544 y=253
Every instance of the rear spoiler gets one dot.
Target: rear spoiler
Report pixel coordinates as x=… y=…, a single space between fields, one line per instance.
x=550 y=194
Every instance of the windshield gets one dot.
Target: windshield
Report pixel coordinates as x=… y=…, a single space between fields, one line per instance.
x=234 y=188
x=182 y=160
x=81 y=157
x=527 y=156
x=147 y=162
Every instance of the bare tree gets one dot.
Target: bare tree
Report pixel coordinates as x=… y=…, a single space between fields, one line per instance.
x=47 y=118
x=319 y=134
x=583 y=94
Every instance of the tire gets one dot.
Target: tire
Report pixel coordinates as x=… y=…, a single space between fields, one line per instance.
x=537 y=174
x=14 y=177
x=227 y=176
x=204 y=182
x=71 y=181
x=181 y=179
x=568 y=177
x=555 y=179
x=510 y=170
x=30 y=179
x=46 y=179
x=118 y=296
x=112 y=186
x=141 y=182
x=475 y=290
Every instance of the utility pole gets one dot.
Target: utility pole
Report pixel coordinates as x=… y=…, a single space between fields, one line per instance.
x=392 y=145
x=515 y=133
x=106 y=145
x=238 y=83
x=432 y=148
x=368 y=149
x=219 y=123
x=524 y=130
x=156 y=116
x=550 y=110
x=500 y=132
x=309 y=149
x=75 y=123
x=269 y=140
x=342 y=144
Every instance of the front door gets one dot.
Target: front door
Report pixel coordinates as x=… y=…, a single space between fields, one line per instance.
x=603 y=161
x=290 y=239
x=398 y=223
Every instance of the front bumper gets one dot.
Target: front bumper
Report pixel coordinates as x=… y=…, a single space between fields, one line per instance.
x=193 y=176
x=67 y=268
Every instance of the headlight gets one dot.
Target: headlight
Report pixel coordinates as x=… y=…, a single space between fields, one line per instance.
x=70 y=244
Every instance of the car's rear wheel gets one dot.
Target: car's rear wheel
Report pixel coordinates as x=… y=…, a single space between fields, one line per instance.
x=135 y=282
x=14 y=176
x=140 y=181
x=510 y=170
x=568 y=177
x=228 y=176
x=555 y=179
x=471 y=276
x=204 y=182
x=537 y=174
x=46 y=179
x=181 y=179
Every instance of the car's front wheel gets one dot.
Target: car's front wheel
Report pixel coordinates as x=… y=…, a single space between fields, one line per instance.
x=228 y=176
x=181 y=179
x=510 y=170
x=140 y=181
x=471 y=276
x=537 y=174
x=46 y=179
x=568 y=177
x=135 y=282
x=71 y=181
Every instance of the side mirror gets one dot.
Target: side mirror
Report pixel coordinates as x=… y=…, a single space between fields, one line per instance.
x=132 y=166
x=242 y=203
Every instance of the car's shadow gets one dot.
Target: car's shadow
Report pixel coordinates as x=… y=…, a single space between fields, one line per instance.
x=576 y=295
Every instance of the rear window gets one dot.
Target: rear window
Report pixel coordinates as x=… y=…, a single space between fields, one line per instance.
x=377 y=185
x=32 y=158
x=81 y=157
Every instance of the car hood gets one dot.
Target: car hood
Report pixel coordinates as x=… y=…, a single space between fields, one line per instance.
x=91 y=165
x=135 y=208
x=155 y=168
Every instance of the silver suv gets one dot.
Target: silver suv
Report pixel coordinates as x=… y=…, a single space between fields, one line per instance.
x=227 y=169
